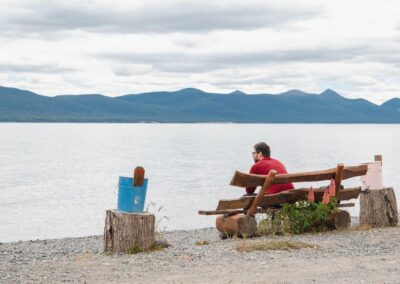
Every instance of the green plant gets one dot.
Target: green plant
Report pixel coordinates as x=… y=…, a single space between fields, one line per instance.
x=134 y=249
x=300 y=217
x=270 y=224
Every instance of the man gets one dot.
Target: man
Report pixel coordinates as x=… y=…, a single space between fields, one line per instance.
x=263 y=164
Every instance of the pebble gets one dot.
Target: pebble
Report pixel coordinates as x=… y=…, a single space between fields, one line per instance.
x=67 y=259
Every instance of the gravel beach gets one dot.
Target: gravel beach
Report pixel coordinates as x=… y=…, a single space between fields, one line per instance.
x=351 y=256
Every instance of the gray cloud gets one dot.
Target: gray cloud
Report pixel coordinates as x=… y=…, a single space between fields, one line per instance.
x=165 y=17
x=27 y=68
x=198 y=63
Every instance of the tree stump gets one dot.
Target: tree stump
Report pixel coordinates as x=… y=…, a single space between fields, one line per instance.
x=378 y=208
x=238 y=224
x=339 y=220
x=125 y=232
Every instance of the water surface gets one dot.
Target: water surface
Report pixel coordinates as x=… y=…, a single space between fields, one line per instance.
x=57 y=180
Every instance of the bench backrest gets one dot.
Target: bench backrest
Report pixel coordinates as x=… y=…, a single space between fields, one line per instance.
x=244 y=180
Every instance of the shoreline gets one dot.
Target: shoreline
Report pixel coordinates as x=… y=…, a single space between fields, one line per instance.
x=193 y=122
x=353 y=255
x=354 y=223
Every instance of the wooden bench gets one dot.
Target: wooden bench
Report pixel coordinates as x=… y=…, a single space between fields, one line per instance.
x=236 y=216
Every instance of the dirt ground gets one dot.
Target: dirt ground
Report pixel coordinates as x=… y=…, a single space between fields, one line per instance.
x=352 y=256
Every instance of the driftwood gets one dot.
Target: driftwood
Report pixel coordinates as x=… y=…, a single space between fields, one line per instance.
x=244 y=180
x=378 y=208
x=338 y=178
x=259 y=210
x=126 y=231
x=245 y=224
x=339 y=220
x=240 y=224
x=236 y=211
x=260 y=195
x=290 y=196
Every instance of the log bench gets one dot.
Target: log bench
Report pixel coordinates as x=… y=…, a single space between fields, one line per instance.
x=237 y=216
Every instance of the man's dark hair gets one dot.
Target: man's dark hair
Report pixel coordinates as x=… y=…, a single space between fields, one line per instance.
x=263 y=148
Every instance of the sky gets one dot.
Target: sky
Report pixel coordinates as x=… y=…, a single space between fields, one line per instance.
x=123 y=47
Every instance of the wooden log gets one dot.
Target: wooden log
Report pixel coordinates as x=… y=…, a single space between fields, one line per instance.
x=241 y=225
x=259 y=210
x=339 y=220
x=346 y=205
x=236 y=211
x=290 y=196
x=378 y=208
x=126 y=231
x=244 y=179
x=338 y=179
x=262 y=192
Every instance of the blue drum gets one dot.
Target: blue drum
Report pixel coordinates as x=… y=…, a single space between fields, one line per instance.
x=131 y=198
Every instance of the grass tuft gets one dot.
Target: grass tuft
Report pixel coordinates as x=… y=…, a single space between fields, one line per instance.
x=134 y=249
x=202 y=243
x=137 y=249
x=363 y=227
x=248 y=246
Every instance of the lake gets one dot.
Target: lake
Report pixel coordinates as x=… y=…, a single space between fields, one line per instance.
x=57 y=180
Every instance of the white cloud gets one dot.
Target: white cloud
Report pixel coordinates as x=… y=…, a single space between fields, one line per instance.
x=255 y=46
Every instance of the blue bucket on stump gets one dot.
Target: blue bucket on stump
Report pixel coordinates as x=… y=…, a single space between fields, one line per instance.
x=131 y=198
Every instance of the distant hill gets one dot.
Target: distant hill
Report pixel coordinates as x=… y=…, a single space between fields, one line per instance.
x=194 y=105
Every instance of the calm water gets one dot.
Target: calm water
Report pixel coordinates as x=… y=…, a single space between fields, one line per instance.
x=57 y=180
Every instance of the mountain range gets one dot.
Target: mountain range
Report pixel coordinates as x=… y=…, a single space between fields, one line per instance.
x=194 y=105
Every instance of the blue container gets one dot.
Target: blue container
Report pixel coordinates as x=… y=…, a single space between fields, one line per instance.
x=131 y=198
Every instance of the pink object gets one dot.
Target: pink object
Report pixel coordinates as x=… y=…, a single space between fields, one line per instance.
x=311 y=195
x=332 y=190
x=373 y=178
x=325 y=198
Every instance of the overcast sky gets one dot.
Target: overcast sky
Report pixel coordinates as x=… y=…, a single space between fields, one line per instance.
x=120 y=47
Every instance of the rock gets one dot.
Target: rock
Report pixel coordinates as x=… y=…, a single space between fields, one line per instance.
x=162 y=243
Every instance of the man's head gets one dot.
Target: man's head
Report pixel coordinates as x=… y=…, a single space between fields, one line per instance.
x=261 y=150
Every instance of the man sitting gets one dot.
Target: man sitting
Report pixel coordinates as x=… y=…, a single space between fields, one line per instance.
x=263 y=164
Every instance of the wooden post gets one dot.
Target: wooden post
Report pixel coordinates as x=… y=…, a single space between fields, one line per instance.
x=138 y=176
x=378 y=208
x=261 y=193
x=338 y=179
x=124 y=232
x=378 y=158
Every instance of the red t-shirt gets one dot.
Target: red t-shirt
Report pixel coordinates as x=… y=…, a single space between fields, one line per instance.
x=263 y=167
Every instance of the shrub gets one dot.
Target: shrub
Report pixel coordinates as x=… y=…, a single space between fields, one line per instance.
x=300 y=217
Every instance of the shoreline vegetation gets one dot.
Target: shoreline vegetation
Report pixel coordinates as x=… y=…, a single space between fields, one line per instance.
x=193 y=122
x=355 y=255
